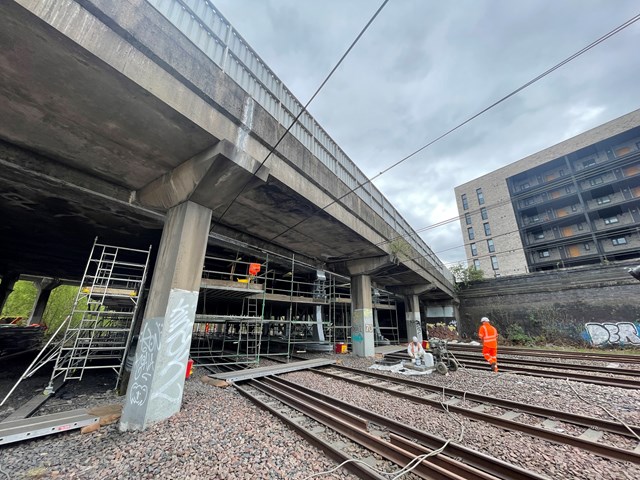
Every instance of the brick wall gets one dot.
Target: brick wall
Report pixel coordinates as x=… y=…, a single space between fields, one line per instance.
x=553 y=305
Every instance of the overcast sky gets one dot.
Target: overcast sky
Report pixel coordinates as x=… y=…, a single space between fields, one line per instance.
x=425 y=66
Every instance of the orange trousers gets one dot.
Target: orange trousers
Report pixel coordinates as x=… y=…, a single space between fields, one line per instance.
x=490 y=353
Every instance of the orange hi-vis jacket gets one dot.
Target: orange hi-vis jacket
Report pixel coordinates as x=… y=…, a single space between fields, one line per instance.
x=488 y=334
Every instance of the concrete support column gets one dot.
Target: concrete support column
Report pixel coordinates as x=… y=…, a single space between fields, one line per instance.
x=414 y=325
x=9 y=279
x=44 y=287
x=362 y=316
x=157 y=378
x=317 y=332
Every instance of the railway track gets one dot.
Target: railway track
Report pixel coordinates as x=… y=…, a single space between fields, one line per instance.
x=566 y=372
x=400 y=445
x=531 y=352
x=566 y=366
x=392 y=386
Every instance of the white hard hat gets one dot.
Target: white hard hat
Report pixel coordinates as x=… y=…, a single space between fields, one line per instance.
x=484 y=319
x=415 y=339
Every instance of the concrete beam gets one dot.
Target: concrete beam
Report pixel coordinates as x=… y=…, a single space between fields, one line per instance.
x=209 y=178
x=368 y=266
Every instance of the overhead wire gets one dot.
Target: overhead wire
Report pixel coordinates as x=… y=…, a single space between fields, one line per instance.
x=302 y=111
x=473 y=117
x=566 y=180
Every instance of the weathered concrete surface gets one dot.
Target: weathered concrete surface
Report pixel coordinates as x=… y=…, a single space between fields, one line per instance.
x=413 y=319
x=113 y=92
x=157 y=378
x=362 y=338
x=553 y=305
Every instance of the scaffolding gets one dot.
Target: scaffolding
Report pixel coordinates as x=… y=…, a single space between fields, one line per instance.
x=97 y=332
x=288 y=308
x=231 y=333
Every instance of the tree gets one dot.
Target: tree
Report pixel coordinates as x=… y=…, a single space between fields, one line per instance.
x=465 y=275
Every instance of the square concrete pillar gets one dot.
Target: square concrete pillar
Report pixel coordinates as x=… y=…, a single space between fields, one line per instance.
x=157 y=378
x=362 y=339
x=414 y=322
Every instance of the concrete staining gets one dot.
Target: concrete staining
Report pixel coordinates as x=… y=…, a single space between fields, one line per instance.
x=112 y=90
x=115 y=125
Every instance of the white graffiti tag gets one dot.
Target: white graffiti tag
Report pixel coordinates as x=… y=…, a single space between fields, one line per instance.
x=176 y=348
x=144 y=362
x=613 y=333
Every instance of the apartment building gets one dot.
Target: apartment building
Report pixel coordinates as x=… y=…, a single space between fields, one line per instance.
x=575 y=203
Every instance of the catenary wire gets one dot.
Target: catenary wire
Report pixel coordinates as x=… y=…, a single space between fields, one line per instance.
x=304 y=109
x=565 y=181
x=473 y=117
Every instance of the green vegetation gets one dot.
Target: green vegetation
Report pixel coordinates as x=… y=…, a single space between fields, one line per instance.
x=21 y=302
x=465 y=275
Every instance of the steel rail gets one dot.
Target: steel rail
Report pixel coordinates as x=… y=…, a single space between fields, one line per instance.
x=582 y=420
x=555 y=437
x=567 y=366
x=486 y=463
x=593 y=356
x=429 y=468
x=362 y=471
x=575 y=376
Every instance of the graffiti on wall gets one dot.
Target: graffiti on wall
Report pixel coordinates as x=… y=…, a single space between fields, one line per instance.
x=607 y=333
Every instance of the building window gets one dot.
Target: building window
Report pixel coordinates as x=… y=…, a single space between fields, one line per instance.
x=610 y=220
x=528 y=201
x=587 y=246
x=574 y=208
x=588 y=163
x=491 y=246
x=535 y=218
x=470 y=233
x=476 y=264
x=580 y=226
x=544 y=253
x=494 y=263
x=483 y=213
x=538 y=235
x=622 y=151
x=603 y=200
x=487 y=229
x=467 y=218
x=524 y=186
x=561 y=172
x=596 y=181
x=567 y=189
x=465 y=203
x=474 y=249
x=480 y=196
x=619 y=241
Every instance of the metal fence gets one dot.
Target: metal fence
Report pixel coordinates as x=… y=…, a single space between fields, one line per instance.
x=206 y=28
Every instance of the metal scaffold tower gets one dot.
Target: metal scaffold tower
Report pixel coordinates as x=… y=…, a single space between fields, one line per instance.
x=106 y=306
x=97 y=332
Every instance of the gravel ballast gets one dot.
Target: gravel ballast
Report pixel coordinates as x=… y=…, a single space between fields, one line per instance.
x=220 y=434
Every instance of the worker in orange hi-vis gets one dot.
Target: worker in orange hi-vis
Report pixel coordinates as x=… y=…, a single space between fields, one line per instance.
x=489 y=336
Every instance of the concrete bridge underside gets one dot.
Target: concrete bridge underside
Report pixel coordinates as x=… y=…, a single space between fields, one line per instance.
x=116 y=125
x=103 y=98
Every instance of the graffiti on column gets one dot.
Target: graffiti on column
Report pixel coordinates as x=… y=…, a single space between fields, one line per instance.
x=144 y=362
x=607 y=333
x=175 y=346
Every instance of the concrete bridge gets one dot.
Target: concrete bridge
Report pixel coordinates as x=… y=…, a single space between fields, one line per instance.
x=133 y=119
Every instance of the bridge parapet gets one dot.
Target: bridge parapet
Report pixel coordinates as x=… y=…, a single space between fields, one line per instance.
x=212 y=33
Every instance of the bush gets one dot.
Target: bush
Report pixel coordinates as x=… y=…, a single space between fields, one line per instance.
x=517 y=336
